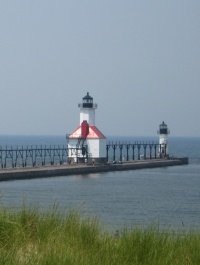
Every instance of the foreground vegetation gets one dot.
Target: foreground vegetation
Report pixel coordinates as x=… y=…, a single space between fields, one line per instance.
x=29 y=237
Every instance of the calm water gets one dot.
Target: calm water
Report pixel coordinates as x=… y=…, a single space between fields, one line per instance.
x=168 y=196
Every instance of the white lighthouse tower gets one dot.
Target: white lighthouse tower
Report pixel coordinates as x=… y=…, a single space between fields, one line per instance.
x=87 y=143
x=87 y=110
x=163 y=140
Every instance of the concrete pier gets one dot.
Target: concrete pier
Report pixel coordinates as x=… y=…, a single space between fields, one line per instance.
x=80 y=169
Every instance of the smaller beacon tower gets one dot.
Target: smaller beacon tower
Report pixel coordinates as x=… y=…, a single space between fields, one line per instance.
x=87 y=143
x=163 y=140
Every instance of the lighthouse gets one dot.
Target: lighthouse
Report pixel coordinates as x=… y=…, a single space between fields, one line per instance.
x=163 y=139
x=87 y=143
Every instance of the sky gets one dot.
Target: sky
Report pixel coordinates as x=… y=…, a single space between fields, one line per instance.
x=140 y=60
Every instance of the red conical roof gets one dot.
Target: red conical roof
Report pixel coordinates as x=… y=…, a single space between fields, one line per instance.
x=94 y=133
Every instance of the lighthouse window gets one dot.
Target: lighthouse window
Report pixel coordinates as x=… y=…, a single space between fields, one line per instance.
x=163 y=130
x=87 y=100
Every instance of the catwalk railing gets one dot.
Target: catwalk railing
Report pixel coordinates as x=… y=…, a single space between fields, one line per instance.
x=118 y=151
x=32 y=156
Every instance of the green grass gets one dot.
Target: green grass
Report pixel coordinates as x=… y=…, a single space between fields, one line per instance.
x=30 y=237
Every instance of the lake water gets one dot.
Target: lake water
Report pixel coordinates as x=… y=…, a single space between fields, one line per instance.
x=168 y=197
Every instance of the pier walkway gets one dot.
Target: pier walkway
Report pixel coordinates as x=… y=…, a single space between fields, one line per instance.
x=81 y=169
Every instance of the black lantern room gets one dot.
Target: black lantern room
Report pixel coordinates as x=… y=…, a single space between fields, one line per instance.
x=87 y=101
x=163 y=128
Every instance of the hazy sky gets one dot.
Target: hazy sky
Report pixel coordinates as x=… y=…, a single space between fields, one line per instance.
x=140 y=60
